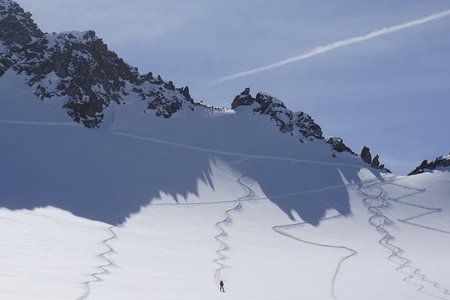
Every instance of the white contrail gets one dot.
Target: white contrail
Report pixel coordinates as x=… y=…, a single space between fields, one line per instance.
x=338 y=44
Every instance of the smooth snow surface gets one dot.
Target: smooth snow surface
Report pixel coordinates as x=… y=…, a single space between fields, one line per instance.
x=148 y=208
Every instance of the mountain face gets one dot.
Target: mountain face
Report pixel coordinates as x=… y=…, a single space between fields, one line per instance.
x=79 y=68
x=441 y=162
x=114 y=183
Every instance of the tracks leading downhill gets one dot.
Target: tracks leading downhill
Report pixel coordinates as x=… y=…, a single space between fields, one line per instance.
x=375 y=205
x=102 y=268
x=353 y=252
x=222 y=233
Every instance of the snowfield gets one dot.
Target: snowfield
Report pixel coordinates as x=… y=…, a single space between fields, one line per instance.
x=147 y=208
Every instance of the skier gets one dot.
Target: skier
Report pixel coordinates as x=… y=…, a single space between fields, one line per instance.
x=221 y=287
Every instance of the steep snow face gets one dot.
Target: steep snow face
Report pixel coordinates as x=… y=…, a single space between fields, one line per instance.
x=108 y=173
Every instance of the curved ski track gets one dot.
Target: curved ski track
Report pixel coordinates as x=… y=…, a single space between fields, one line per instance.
x=378 y=220
x=222 y=233
x=102 y=268
x=353 y=252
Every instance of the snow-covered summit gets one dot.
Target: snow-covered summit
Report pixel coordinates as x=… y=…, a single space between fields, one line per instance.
x=440 y=163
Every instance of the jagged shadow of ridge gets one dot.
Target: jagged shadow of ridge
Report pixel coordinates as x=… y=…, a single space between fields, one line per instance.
x=306 y=189
x=90 y=174
x=100 y=177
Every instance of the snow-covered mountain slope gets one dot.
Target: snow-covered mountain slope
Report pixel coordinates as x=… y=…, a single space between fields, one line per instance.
x=394 y=245
x=152 y=195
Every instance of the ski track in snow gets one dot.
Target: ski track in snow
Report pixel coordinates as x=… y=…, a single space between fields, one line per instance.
x=222 y=233
x=102 y=268
x=38 y=123
x=373 y=204
x=378 y=220
x=430 y=210
x=353 y=252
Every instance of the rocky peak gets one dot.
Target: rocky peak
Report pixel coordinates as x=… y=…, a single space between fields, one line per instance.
x=79 y=67
x=438 y=163
x=242 y=99
x=295 y=123
x=17 y=26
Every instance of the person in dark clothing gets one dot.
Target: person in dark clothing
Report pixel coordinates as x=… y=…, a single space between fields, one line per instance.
x=221 y=287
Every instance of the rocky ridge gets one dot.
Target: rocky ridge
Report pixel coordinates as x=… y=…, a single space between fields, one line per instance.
x=439 y=162
x=79 y=66
x=295 y=123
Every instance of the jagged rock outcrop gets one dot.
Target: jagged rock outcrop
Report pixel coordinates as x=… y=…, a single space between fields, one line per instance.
x=337 y=144
x=441 y=162
x=374 y=162
x=79 y=67
x=286 y=120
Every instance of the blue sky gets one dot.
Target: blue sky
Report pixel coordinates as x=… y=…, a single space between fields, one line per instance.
x=391 y=93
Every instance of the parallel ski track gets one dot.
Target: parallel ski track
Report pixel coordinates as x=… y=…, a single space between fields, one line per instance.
x=222 y=233
x=378 y=220
x=102 y=268
x=430 y=210
x=353 y=252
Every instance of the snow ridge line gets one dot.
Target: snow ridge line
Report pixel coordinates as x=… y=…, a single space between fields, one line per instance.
x=222 y=233
x=353 y=252
x=103 y=268
x=378 y=220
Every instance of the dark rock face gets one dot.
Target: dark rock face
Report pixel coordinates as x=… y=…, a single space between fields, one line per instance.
x=243 y=99
x=17 y=27
x=366 y=156
x=286 y=120
x=376 y=162
x=79 y=66
x=439 y=162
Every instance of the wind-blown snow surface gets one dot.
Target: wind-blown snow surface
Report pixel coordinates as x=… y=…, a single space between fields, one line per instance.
x=210 y=195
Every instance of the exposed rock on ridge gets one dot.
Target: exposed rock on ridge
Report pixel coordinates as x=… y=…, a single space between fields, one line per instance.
x=439 y=162
x=80 y=67
x=374 y=162
x=286 y=120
